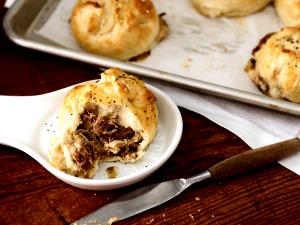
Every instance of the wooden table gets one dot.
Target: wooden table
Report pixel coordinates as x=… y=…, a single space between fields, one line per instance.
x=31 y=195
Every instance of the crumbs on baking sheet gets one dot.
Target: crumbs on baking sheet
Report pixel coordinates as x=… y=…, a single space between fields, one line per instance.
x=186 y=63
x=112 y=172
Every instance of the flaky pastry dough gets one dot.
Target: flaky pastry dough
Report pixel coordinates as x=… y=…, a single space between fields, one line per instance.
x=229 y=8
x=288 y=11
x=119 y=29
x=275 y=64
x=114 y=119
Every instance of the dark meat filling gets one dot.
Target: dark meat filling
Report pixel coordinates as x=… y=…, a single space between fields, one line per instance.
x=93 y=139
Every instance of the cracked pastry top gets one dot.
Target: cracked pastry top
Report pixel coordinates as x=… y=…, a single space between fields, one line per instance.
x=119 y=29
x=229 y=8
x=114 y=119
x=275 y=64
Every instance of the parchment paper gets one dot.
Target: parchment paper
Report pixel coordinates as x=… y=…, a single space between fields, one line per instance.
x=212 y=50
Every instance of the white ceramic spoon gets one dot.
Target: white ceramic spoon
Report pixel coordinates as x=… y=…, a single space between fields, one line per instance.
x=29 y=123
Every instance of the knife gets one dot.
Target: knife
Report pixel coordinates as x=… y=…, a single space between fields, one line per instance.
x=153 y=195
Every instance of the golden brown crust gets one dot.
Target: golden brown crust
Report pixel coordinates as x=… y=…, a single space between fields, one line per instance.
x=116 y=93
x=288 y=11
x=118 y=29
x=163 y=29
x=229 y=8
x=275 y=65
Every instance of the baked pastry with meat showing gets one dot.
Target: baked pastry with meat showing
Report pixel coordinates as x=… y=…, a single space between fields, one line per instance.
x=114 y=119
x=228 y=8
x=288 y=11
x=275 y=64
x=119 y=29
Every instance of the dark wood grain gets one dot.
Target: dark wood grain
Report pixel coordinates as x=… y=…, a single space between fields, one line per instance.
x=249 y=160
x=30 y=195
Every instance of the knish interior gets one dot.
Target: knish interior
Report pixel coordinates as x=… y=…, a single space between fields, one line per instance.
x=100 y=136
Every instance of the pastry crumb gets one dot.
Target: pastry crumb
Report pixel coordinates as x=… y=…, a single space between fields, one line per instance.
x=185 y=65
x=112 y=220
x=111 y=172
x=192 y=217
x=150 y=221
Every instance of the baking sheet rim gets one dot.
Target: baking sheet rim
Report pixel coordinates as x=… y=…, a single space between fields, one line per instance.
x=184 y=82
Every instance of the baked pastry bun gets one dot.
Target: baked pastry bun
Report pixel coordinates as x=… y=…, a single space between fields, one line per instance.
x=288 y=11
x=116 y=29
x=112 y=120
x=275 y=64
x=229 y=8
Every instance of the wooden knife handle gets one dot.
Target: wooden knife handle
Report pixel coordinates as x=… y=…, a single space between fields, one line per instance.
x=254 y=158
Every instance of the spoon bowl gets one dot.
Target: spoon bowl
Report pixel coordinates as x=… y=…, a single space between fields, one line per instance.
x=29 y=123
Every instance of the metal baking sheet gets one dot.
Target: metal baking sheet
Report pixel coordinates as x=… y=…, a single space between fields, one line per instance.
x=25 y=17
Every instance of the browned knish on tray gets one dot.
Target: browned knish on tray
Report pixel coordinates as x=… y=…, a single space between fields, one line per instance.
x=275 y=64
x=117 y=29
x=232 y=8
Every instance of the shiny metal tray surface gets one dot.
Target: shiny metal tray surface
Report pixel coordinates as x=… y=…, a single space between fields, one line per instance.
x=25 y=16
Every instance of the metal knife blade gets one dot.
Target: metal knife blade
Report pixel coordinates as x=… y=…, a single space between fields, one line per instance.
x=153 y=195
x=138 y=201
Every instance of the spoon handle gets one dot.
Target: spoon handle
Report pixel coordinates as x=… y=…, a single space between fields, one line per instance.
x=20 y=116
x=254 y=159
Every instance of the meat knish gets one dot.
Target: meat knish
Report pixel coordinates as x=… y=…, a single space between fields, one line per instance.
x=114 y=118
